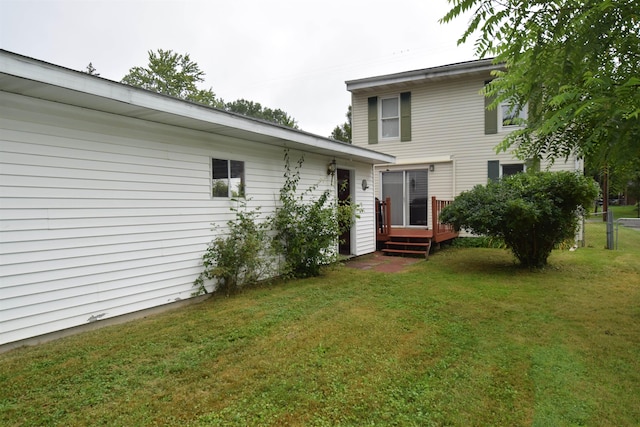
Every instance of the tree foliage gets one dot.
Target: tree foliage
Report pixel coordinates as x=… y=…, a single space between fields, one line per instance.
x=91 y=70
x=172 y=74
x=531 y=212
x=254 y=109
x=577 y=65
x=343 y=132
x=177 y=75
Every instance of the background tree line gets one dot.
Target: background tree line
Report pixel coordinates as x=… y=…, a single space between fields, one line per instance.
x=177 y=75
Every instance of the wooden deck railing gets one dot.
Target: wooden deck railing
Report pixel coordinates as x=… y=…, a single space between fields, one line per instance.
x=439 y=232
x=438 y=227
x=383 y=217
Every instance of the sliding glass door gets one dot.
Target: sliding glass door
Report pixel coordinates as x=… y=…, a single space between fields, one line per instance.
x=408 y=193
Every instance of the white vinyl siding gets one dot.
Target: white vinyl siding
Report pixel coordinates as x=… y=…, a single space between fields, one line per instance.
x=364 y=229
x=447 y=122
x=103 y=215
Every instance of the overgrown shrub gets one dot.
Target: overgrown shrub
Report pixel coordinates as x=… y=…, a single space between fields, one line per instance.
x=307 y=226
x=531 y=212
x=240 y=256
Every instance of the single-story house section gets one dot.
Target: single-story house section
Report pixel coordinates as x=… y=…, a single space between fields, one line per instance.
x=108 y=193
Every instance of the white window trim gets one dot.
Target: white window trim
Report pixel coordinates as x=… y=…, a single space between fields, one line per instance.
x=508 y=128
x=229 y=187
x=405 y=194
x=380 y=100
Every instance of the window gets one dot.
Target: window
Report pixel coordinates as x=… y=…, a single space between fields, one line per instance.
x=512 y=169
x=495 y=170
x=408 y=192
x=509 y=117
x=227 y=178
x=501 y=119
x=390 y=117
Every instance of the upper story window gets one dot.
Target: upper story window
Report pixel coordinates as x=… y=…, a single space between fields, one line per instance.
x=390 y=117
x=227 y=178
x=511 y=116
x=505 y=118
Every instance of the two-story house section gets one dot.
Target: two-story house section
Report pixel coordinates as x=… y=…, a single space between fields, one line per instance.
x=435 y=122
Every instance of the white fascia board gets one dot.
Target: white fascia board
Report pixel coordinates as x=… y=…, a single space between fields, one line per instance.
x=453 y=70
x=40 y=72
x=421 y=161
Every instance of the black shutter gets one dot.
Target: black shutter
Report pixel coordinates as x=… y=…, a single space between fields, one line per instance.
x=373 y=120
x=405 y=116
x=493 y=170
x=490 y=116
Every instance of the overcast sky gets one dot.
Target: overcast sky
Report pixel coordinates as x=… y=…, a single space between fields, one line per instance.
x=287 y=54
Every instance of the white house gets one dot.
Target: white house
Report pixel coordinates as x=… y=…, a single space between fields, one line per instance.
x=435 y=122
x=108 y=193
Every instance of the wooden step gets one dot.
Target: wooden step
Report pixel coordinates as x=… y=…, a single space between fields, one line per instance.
x=403 y=251
x=418 y=244
x=407 y=245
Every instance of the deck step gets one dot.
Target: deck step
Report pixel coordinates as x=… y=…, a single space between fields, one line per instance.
x=407 y=245
x=418 y=244
x=403 y=251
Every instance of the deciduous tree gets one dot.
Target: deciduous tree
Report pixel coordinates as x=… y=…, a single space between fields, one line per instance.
x=177 y=75
x=254 y=109
x=172 y=74
x=576 y=63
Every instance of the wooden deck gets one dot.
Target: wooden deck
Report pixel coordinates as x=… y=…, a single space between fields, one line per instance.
x=411 y=240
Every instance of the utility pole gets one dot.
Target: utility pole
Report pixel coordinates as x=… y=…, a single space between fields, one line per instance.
x=605 y=193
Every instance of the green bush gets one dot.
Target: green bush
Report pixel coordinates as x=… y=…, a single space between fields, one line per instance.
x=532 y=213
x=307 y=226
x=240 y=257
x=478 y=242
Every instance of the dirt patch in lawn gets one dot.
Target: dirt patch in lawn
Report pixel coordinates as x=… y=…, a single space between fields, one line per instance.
x=380 y=262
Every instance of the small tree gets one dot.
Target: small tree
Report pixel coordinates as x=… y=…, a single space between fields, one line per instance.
x=239 y=257
x=532 y=213
x=343 y=132
x=91 y=70
x=307 y=228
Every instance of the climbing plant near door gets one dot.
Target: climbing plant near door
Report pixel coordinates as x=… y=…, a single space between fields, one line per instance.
x=307 y=224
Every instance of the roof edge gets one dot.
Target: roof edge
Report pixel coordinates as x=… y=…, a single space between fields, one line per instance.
x=441 y=71
x=73 y=81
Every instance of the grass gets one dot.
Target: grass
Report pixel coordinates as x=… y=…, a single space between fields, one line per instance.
x=630 y=211
x=465 y=338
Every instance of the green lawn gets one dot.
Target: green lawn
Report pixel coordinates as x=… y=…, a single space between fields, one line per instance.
x=465 y=338
x=625 y=211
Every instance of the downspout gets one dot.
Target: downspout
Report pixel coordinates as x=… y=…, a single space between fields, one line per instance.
x=453 y=183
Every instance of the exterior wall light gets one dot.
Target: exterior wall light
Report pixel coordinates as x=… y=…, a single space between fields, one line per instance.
x=331 y=168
